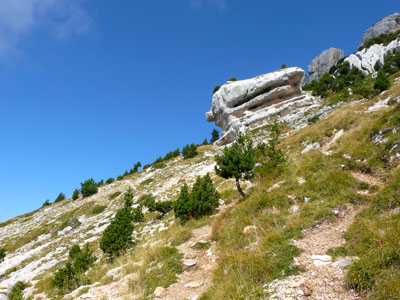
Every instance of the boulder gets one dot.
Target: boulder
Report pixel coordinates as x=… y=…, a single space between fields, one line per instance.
x=249 y=103
x=322 y=63
x=160 y=292
x=366 y=59
x=386 y=25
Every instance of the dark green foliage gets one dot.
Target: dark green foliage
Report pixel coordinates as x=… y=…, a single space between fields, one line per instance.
x=214 y=136
x=232 y=79
x=117 y=237
x=120 y=177
x=216 y=89
x=237 y=162
x=60 y=197
x=46 y=203
x=171 y=155
x=313 y=119
x=17 y=291
x=2 y=254
x=71 y=276
x=114 y=195
x=205 y=142
x=98 y=209
x=75 y=194
x=100 y=183
x=88 y=187
x=162 y=207
x=146 y=166
x=364 y=91
x=271 y=158
x=340 y=77
x=382 y=82
x=284 y=66
x=189 y=151
x=392 y=62
x=201 y=201
x=135 y=168
x=384 y=38
x=109 y=180
x=126 y=173
x=138 y=215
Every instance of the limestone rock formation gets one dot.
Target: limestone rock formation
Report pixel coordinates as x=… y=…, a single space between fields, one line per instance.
x=322 y=63
x=386 y=25
x=366 y=59
x=249 y=103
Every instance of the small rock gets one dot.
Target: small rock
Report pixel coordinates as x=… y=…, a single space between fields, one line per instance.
x=160 y=292
x=190 y=262
x=190 y=255
x=221 y=202
x=301 y=180
x=307 y=291
x=294 y=208
x=306 y=199
x=194 y=284
x=344 y=262
x=250 y=229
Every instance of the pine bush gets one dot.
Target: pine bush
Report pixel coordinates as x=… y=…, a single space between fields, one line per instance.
x=89 y=187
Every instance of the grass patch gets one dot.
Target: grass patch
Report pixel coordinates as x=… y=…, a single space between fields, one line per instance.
x=146 y=182
x=202 y=246
x=114 y=195
x=98 y=209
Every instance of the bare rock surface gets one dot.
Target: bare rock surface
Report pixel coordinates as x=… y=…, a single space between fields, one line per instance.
x=366 y=59
x=322 y=277
x=249 y=103
x=386 y=25
x=322 y=63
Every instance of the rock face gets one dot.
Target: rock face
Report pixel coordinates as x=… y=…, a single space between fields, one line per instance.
x=386 y=25
x=366 y=59
x=322 y=63
x=248 y=103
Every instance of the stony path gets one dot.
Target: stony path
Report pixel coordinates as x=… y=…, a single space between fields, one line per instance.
x=322 y=279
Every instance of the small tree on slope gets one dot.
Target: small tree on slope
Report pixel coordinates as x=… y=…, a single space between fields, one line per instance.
x=117 y=237
x=237 y=162
x=382 y=83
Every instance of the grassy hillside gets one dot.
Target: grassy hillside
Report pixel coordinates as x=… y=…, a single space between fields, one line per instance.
x=353 y=163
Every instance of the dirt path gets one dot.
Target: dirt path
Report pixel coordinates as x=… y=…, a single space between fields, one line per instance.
x=322 y=279
x=368 y=178
x=199 y=263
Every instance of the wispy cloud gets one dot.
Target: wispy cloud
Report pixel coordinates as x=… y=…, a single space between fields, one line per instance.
x=19 y=18
x=221 y=5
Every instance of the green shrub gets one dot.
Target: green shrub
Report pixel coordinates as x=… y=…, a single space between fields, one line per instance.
x=135 y=168
x=72 y=275
x=384 y=38
x=159 y=165
x=365 y=91
x=60 y=197
x=75 y=194
x=117 y=237
x=189 y=151
x=109 y=180
x=88 y=188
x=313 y=119
x=17 y=291
x=205 y=142
x=392 y=62
x=98 y=209
x=214 y=136
x=2 y=254
x=237 y=162
x=271 y=158
x=137 y=214
x=120 y=177
x=232 y=79
x=382 y=82
x=100 y=183
x=200 y=201
x=162 y=207
x=284 y=66
x=216 y=89
x=46 y=203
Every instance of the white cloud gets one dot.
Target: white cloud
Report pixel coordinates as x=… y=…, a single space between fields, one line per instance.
x=199 y=4
x=19 y=18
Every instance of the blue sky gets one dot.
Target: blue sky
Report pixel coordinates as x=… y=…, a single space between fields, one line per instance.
x=89 y=87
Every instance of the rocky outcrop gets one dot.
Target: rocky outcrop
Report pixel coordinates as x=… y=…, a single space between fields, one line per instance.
x=366 y=59
x=322 y=63
x=249 y=103
x=386 y=25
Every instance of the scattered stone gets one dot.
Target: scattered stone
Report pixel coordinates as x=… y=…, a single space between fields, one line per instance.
x=190 y=262
x=321 y=260
x=160 y=292
x=221 y=202
x=344 y=262
x=306 y=199
x=301 y=180
x=310 y=147
x=194 y=284
x=250 y=229
x=190 y=255
x=294 y=208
